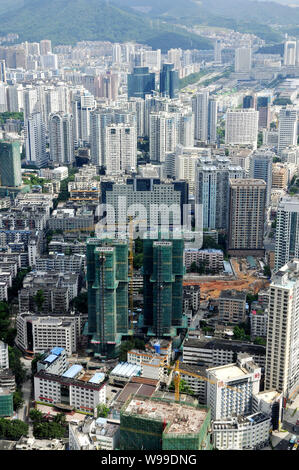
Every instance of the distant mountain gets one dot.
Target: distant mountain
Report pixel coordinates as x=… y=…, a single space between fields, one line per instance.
x=268 y=12
x=69 y=21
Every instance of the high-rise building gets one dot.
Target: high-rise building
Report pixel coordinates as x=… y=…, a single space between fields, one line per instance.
x=2 y=71
x=169 y=81
x=212 y=189
x=287 y=129
x=120 y=148
x=243 y=60
x=61 y=138
x=282 y=350
x=35 y=141
x=230 y=388
x=163 y=135
x=10 y=164
x=107 y=284
x=261 y=168
x=241 y=127
x=287 y=231
x=45 y=46
x=140 y=83
x=116 y=53
x=217 y=51
x=263 y=107
x=205 y=117
x=249 y=101
x=31 y=104
x=98 y=121
x=246 y=216
x=289 y=56
x=163 y=270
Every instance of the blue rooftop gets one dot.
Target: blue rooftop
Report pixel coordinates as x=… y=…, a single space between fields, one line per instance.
x=51 y=358
x=72 y=371
x=57 y=351
x=97 y=378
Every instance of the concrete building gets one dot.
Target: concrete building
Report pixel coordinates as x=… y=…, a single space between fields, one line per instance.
x=242 y=432
x=289 y=56
x=271 y=404
x=246 y=216
x=94 y=434
x=6 y=403
x=280 y=176
x=287 y=129
x=261 y=168
x=61 y=138
x=214 y=352
x=140 y=83
x=205 y=117
x=212 y=189
x=76 y=388
x=230 y=388
x=120 y=149
x=287 y=231
x=35 y=141
x=243 y=60
x=241 y=127
x=282 y=357
x=141 y=425
x=213 y=259
x=232 y=306
x=4 y=363
x=54 y=361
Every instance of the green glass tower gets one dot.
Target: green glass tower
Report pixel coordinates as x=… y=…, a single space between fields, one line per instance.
x=107 y=283
x=10 y=164
x=6 y=403
x=140 y=83
x=163 y=271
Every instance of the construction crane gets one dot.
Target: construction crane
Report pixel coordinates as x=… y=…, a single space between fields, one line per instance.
x=177 y=379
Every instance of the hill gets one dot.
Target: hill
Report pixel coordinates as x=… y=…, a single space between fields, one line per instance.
x=69 y=21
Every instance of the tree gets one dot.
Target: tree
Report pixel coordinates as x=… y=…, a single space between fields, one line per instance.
x=16 y=365
x=102 y=411
x=34 y=363
x=60 y=418
x=81 y=302
x=138 y=260
x=17 y=400
x=267 y=271
x=36 y=416
x=39 y=299
x=12 y=429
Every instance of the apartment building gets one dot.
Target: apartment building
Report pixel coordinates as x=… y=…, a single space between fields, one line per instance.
x=232 y=306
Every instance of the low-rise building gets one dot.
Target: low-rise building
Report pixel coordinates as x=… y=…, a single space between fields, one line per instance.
x=6 y=403
x=75 y=388
x=212 y=259
x=4 y=362
x=232 y=306
x=242 y=433
x=94 y=434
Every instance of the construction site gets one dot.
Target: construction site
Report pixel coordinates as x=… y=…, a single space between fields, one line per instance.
x=244 y=279
x=161 y=424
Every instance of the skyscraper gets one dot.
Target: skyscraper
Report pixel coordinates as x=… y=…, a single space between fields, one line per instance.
x=287 y=129
x=282 y=350
x=61 y=138
x=163 y=135
x=241 y=127
x=120 y=148
x=249 y=101
x=35 y=141
x=107 y=284
x=169 y=81
x=261 y=168
x=140 y=83
x=263 y=107
x=246 y=216
x=287 y=231
x=99 y=119
x=205 y=117
x=212 y=189
x=10 y=164
x=243 y=60
x=45 y=46
x=163 y=271
x=2 y=71
x=289 y=56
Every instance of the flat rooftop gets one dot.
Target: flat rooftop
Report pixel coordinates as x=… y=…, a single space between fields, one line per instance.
x=182 y=419
x=228 y=372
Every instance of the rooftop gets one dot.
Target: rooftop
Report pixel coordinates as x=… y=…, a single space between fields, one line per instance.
x=181 y=419
x=227 y=372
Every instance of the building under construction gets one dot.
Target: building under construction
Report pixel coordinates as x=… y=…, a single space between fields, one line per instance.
x=161 y=424
x=163 y=271
x=107 y=282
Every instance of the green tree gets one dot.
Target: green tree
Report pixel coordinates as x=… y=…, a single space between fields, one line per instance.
x=16 y=365
x=36 y=416
x=17 y=400
x=267 y=271
x=39 y=299
x=12 y=429
x=102 y=411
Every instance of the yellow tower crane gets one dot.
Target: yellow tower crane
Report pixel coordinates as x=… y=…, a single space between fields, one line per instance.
x=177 y=379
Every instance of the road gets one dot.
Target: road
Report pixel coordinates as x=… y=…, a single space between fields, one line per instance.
x=26 y=389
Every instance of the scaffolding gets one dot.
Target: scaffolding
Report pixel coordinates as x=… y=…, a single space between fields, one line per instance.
x=162 y=424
